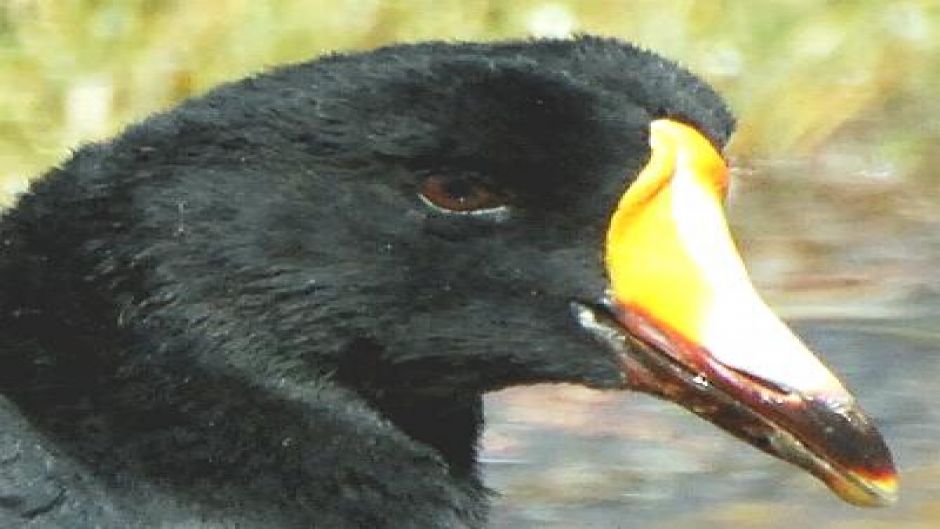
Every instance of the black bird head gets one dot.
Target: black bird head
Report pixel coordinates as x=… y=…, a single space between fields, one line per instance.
x=461 y=200
x=422 y=224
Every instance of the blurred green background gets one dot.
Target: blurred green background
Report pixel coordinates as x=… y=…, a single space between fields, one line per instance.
x=836 y=205
x=798 y=72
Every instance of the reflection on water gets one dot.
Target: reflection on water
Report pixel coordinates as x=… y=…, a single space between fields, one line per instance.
x=850 y=259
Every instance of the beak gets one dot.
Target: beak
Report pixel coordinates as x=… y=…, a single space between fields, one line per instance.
x=690 y=328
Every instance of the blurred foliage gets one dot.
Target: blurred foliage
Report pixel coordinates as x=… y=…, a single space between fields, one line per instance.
x=796 y=71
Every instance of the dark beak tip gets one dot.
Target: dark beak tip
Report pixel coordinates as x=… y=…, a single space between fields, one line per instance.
x=849 y=453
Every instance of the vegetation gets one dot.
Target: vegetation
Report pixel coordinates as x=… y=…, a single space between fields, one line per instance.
x=797 y=71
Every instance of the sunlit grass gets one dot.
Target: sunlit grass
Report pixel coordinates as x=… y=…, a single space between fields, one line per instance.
x=796 y=71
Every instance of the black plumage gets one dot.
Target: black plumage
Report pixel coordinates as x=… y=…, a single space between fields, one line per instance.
x=241 y=310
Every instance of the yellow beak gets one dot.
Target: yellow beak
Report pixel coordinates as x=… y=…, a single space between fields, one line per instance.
x=680 y=290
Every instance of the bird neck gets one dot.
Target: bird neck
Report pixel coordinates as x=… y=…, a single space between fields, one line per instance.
x=451 y=426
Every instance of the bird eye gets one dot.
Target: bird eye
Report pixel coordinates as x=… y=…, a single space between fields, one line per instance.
x=461 y=196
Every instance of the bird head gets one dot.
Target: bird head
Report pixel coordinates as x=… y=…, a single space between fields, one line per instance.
x=470 y=217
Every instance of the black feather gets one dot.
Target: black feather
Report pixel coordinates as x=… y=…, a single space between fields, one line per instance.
x=241 y=311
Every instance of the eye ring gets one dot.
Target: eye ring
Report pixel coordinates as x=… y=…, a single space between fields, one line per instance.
x=462 y=197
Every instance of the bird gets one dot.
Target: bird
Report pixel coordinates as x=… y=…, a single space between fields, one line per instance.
x=280 y=303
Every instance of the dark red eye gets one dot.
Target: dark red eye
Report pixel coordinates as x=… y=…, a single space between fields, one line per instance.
x=459 y=195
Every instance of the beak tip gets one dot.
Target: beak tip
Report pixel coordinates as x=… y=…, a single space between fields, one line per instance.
x=866 y=490
x=884 y=491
